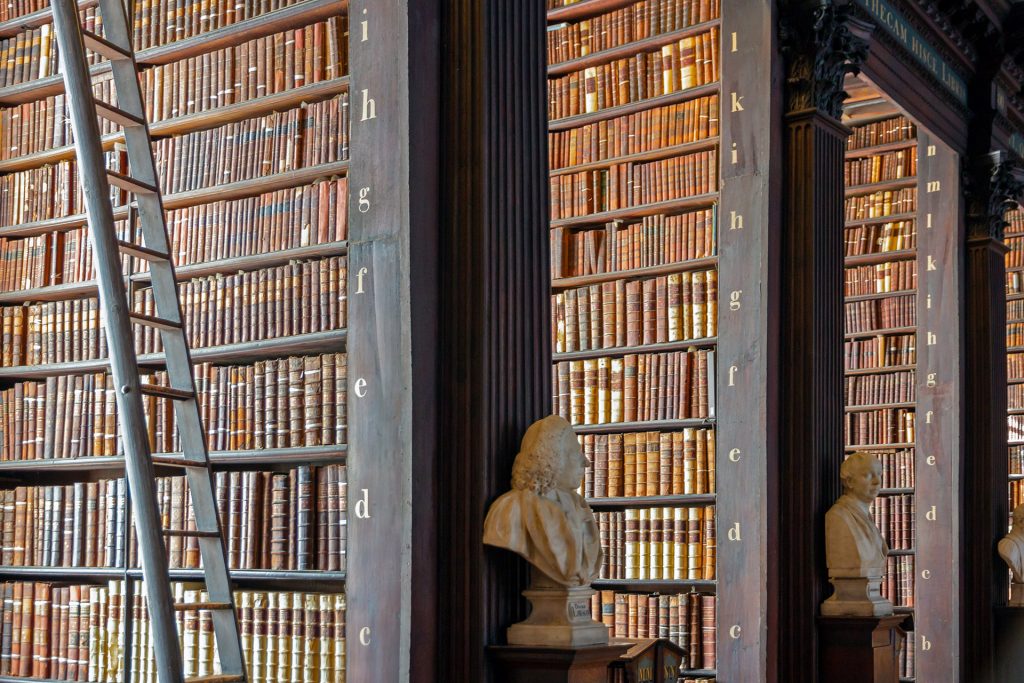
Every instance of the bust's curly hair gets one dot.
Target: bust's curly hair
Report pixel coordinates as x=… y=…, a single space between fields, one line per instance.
x=537 y=463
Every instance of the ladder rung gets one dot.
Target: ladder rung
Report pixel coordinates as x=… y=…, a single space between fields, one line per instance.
x=186 y=533
x=215 y=678
x=141 y=252
x=168 y=392
x=170 y=461
x=104 y=47
x=185 y=606
x=129 y=184
x=118 y=116
x=152 y=321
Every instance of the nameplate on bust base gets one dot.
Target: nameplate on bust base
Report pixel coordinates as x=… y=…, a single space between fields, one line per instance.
x=857 y=597
x=560 y=618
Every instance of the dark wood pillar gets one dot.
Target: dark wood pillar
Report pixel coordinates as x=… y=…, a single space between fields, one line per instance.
x=990 y=182
x=818 y=46
x=495 y=355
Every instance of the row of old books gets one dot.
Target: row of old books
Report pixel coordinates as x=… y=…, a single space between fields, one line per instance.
x=62 y=632
x=880 y=352
x=661 y=543
x=885 y=387
x=645 y=131
x=1015 y=255
x=307 y=136
x=1015 y=428
x=640 y=20
x=878 y=238
x=260 y=67
x=880 y=167
x=897 y=467
x=274 y=221
x=241 y=73
x=893 y=276
x=279 y=403
x=896 y=129
x=655 y=240
x=295 y=520
x=1015 y=334
x=649 y=463
x=881 y=204
x=687 y=63
x=1016 y=454
x=1016 y=493
x=906 y=665
x=635 y=387
x=1015 y=310
x=670 y=308
x=898 y=586
x=631 y=184
x=687 y=619
x=1015 y=366
x=881 y=314
x=1015 y=396
x=879 y=427
x=48 y=191
x=77 y=633
x=297 y=298
x=894 y=517
x=33 y=54
x=286 y=636
x=1015 y=282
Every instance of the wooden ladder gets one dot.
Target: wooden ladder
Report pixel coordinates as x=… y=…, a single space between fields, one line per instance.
x=118 y=319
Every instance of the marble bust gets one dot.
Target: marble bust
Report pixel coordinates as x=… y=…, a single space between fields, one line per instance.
x=542 y=518
x=1011 y=549
x=546 y=522
x=855 y=551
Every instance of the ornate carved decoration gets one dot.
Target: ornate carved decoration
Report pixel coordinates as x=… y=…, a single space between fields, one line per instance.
x=993 y=186
x=820 y=49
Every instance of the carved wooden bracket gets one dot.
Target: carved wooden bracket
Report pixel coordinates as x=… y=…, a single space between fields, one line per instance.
x=821 y=43
x=993 y=185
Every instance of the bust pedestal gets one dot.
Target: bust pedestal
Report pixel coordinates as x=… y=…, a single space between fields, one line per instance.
x=862 y=649
x=523 y=664
x=1009 y=655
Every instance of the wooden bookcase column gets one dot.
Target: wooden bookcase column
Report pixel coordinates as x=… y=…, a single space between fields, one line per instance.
x=810 y=320
x=392 y=217
x=746 y=457
x=992 y=181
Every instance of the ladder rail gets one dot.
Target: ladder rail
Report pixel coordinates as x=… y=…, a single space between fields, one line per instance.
x=120 y=339
x=119 y=318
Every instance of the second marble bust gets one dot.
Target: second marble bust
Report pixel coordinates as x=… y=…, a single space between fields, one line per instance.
x=854 y=549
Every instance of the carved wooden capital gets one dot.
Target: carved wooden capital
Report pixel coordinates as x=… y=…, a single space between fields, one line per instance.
x=820 y=44
x=993 y=185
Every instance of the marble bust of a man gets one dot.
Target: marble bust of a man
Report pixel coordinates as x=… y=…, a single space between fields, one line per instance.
x=854 y=549
x=1011 y=549
x=542 y=518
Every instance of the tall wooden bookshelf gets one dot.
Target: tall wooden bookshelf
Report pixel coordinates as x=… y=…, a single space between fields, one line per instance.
x=902 y=371
x=1014 y=356
x=668 y=260
x=315 y=180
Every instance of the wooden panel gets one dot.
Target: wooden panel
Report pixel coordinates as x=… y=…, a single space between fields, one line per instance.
x=939 y=235
x=745 y=382
x=380 y=377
